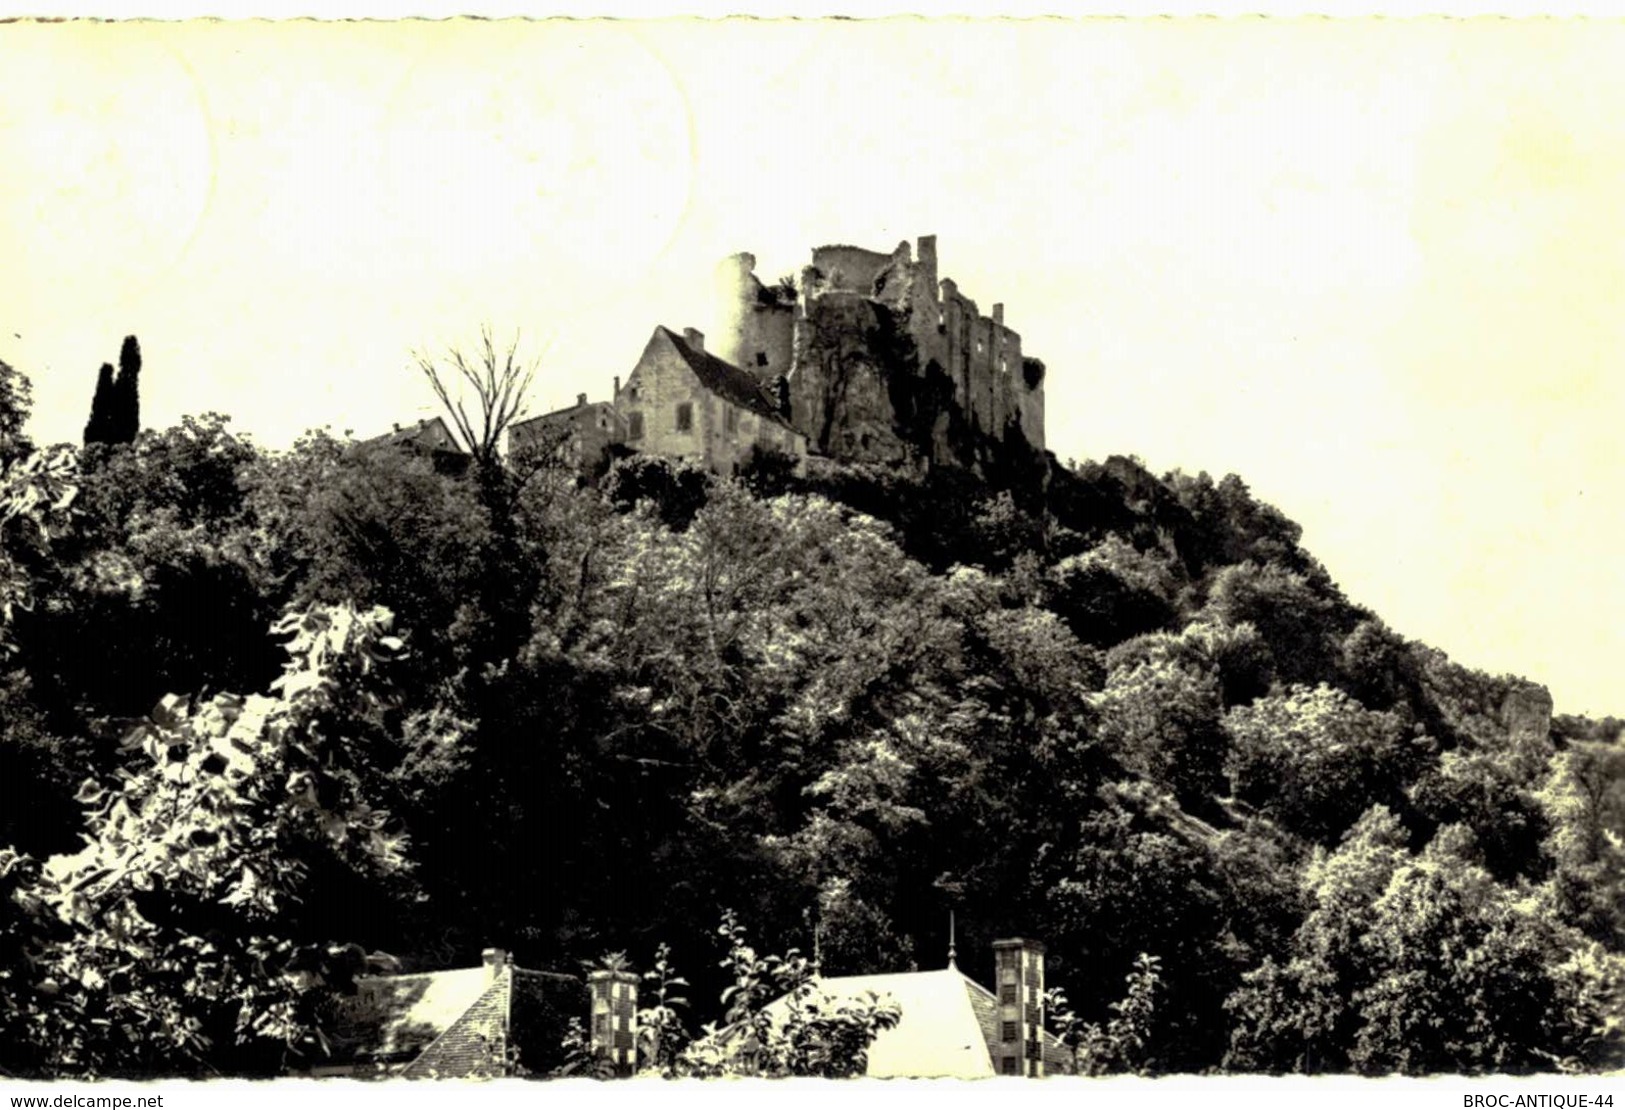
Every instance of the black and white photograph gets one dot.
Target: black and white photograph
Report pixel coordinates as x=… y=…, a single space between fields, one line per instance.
x=592 y=550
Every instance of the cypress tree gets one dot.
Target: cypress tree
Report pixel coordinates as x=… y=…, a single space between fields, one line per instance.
x=115 y=411
x=126 y=391
x=99 y=429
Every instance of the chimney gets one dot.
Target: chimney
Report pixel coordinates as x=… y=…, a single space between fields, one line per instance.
x=1019 y=976
x=581 y=399
x=695 y=339
x=616 y=396
x=613 y=1018
x=495 y=960
x=998 y=314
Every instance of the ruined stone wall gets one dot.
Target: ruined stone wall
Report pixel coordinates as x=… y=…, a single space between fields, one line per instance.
x=849 y=269
x=1030 y=401
x=838 y=393
x=983 y=358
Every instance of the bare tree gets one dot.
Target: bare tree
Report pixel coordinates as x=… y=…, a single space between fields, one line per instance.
x=499 y=381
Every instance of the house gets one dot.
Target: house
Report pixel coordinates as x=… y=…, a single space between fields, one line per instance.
x=684 y=403
x=428 y=438
x=497 y=1019
x=579 y=437
x=953 y=1027
x=492 y=1020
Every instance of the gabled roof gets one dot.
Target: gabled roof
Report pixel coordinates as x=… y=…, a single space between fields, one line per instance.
x=948 y=1026
x=557 y=415
x=430 y=432
x=939 y=1033
x=461 y=1022
x=724 y=378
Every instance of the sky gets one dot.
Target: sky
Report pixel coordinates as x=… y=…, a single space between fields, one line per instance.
x=1372 y=266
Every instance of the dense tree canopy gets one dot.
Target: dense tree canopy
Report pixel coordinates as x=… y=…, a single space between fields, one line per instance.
x=262 y=712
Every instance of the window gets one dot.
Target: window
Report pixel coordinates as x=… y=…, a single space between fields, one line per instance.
x=685 y=417
x=761 y=358
x=1007 y=994
x=634 y=425
x=1008 y=1031
x=600 y=1023
x=730 y=419
x=1009 y=1065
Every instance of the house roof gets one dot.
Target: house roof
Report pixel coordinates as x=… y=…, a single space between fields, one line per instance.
x=947 y=1028
x=400 y=1015
x=724 y=378
x=430 y=432
x=939 y=1033
x=460 y=1022
x=567 y=411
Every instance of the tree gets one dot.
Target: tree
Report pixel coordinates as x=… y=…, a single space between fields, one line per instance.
x=115 y=410
x=1111 y=592
x=1162 y=720
x=1583 y=798
x=779 y=1024
x=1298 y=617
x=16 y=402
x=37 y=493
x=499 y=381
x=1422 y=964
x=1315 y=759
x=103 y=408
x=1139 y=883
x=776 y=1024
x=190 y=933
x=1122 y=1044
x=126 y=416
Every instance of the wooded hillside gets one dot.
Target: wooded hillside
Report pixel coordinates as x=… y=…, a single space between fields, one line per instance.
x=262 y=712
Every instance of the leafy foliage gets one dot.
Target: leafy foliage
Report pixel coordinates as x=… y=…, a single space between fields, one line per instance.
x=186 y=928
x=1122 y=1044
x=1124 y=713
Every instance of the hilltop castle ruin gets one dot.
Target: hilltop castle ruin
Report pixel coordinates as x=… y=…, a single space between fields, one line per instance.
x=868 y=357
x=839 y=339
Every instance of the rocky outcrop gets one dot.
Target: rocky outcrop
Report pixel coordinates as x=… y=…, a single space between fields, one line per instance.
x=1526 y=712
x=840 y=389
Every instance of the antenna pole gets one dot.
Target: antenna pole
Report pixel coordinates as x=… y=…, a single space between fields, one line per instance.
x=952 y=951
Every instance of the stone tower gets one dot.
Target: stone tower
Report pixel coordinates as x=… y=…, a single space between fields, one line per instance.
x=614 y=1002
x=1019 y=975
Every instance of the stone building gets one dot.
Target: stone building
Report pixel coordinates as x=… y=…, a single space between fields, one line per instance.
x=498 y=1020
x=429 y=439
x=578 y=437
x=684 y=403
x=870 y=358
x=880 y=357
x=951 y=1026
x=488 y=1021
